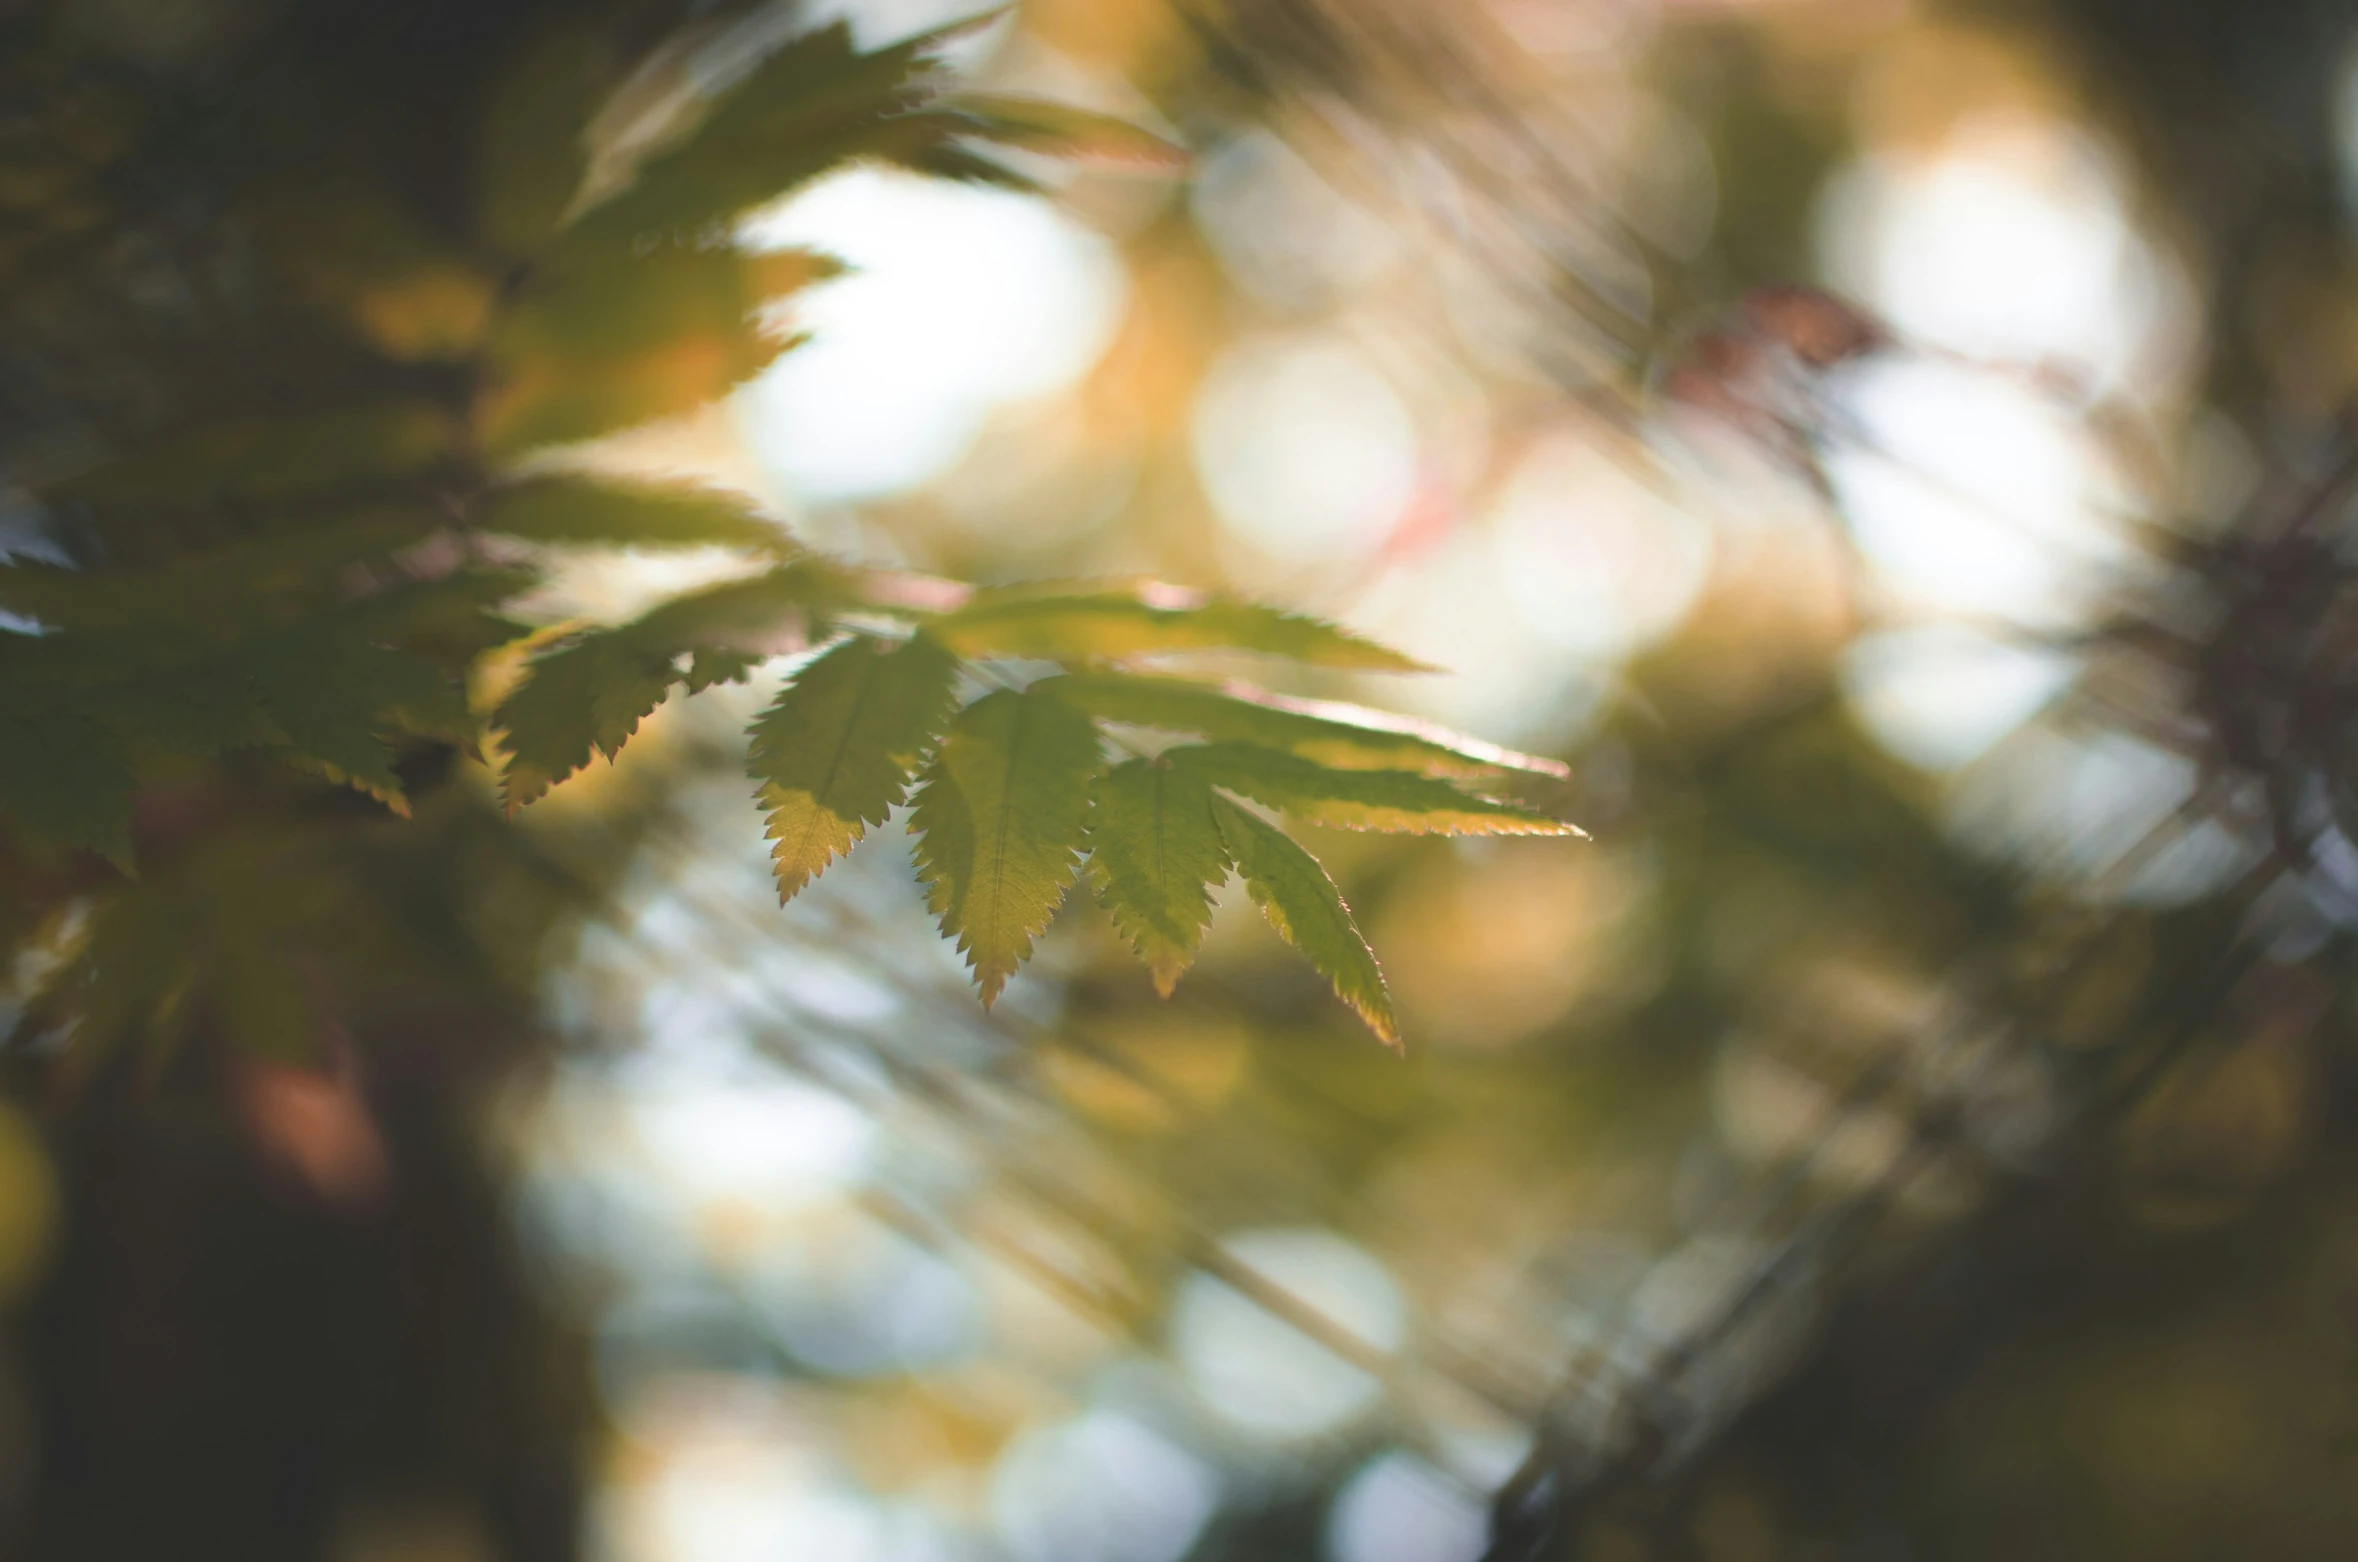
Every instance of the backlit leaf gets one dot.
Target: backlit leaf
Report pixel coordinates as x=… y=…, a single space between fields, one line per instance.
x=1115 y=625
x=625 y=515
x=835 y=753
x=588 y=693
x=1302 y=903
x=1351 y=737
x=1000 y=820
x=811 y=105
x=1155 y=854
x=1399 y=801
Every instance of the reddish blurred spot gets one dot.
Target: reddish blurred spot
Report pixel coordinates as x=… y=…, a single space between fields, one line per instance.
x=1431 y=515
x=314 y=1123
x=1815 y=327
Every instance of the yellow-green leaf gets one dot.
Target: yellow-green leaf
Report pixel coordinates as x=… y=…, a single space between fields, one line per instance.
x=835 y=754
x=631 y=515
x=1000 y=820
x=1398 y=801
x=1349 y=737
x=1115 y=625
x=1155 y=854
x=1302 y=903
x=590 y=692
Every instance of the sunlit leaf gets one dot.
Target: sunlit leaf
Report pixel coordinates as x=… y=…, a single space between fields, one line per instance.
x=1155 y=854
x=588 y=693
x=814 y=103
x=588 y=510
x=1398 y=801
x=1000 y=819
x=835 y=753
x=1088 y=626
x=1302 y=903
x=1351 y=737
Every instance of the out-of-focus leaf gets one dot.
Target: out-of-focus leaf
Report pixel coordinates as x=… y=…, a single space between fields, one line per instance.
x=1302 y=903
x=1000 y=820
x=1350 y=737
x=588 y=305
x=1155 y=853
x=835 y=753
x=813 y=104
x=277 y=457
x=534 y=149
x=286 y=575
x=1087 y=626
x=63 y=782
x=551 y=399
x=592 y=511
x=333 y=697
x=369 y=264
x=1060 y=130
x=1398 y=801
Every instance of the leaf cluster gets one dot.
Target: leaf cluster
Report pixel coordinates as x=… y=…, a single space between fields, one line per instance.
x=433 y=251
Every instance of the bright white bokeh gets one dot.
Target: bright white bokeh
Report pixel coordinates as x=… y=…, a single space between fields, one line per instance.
x=1941 y=695
x=1257 y=1371
x=1101 y=1488
x=961 y=299
x=1398 y=1508
x=776 y=1144
x=1594 y=561
x=2012 y=243
x=1970 y=494
x=1307 y=452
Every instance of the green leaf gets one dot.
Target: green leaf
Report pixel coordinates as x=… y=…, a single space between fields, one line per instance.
x=63 y=782
x=277 y=457
x=836 y=752
x=1155 y=853
x=1000 y=820
x=333 y=697
x=1399 y=801
x=589 y=693
x=547 y=398
x=813 y=104
x=534 y=148
x=1302 y=903
x=277 y=577
x=584 y=697
x=1050 y=624
x=1349 y=737
x=587 y=510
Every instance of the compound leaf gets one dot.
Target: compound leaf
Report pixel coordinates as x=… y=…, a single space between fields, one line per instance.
x=835 y=753
x=1000 y=821
x=1155 y=854
x=1302 y=903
